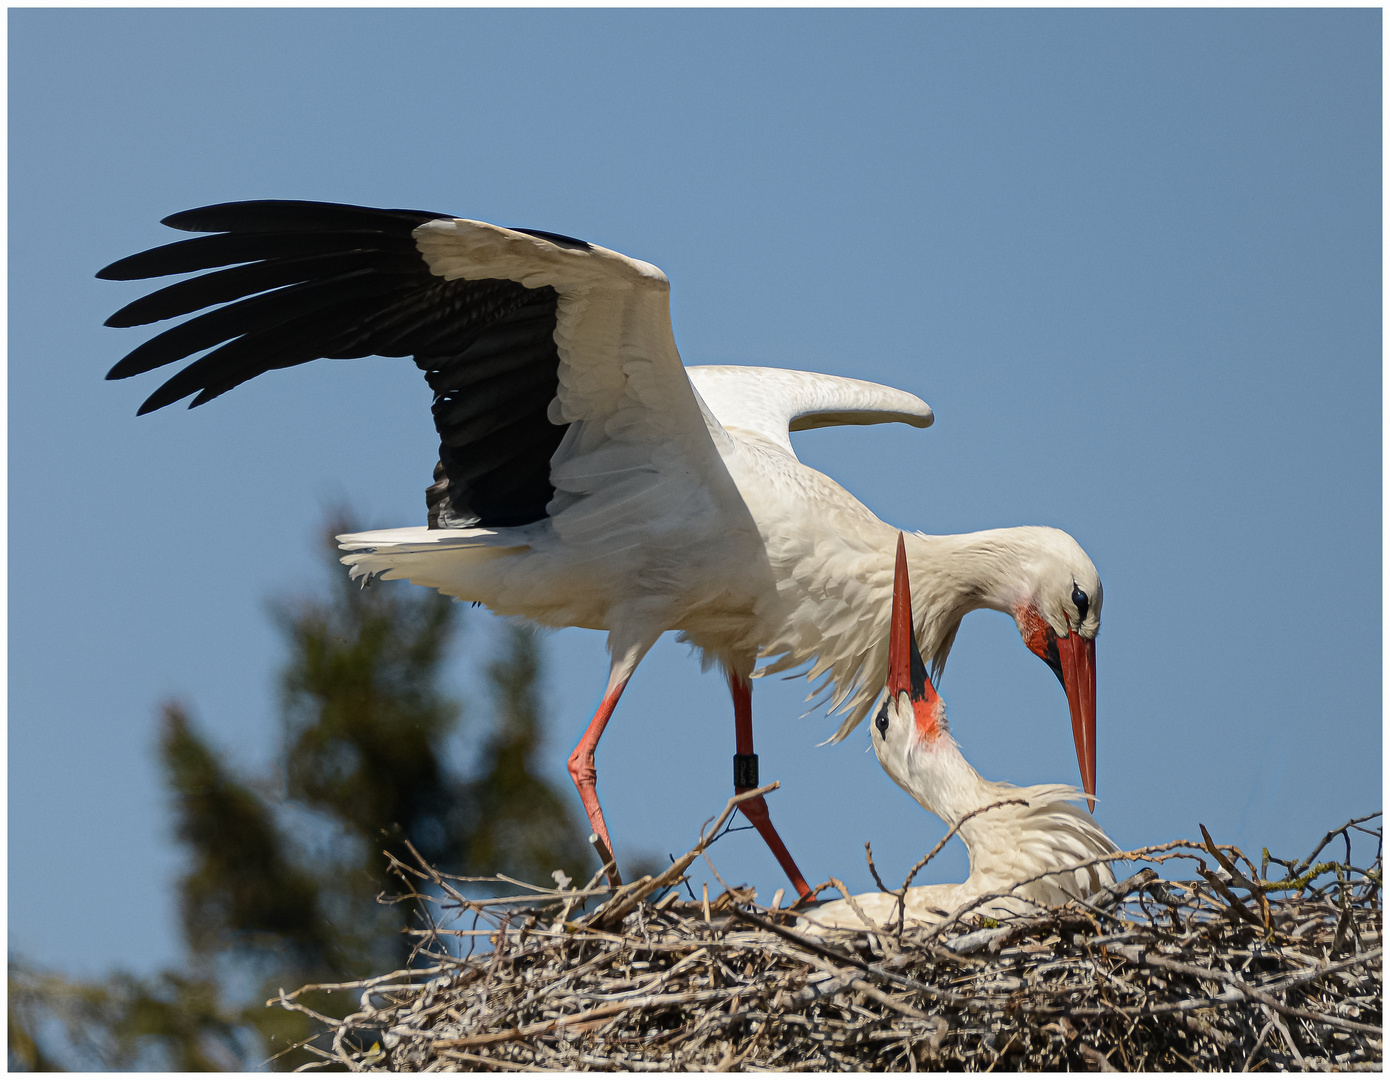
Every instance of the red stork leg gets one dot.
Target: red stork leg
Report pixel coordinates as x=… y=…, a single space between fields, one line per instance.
x=585 y=776
x=746 y=778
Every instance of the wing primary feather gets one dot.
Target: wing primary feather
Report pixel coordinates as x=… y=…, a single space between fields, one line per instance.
x=334 y=331
x=244 y=281
x=226 y=249
x=274 y=215
x=255 y=313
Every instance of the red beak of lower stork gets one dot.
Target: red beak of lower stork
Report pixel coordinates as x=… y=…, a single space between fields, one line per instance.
x=906 y=671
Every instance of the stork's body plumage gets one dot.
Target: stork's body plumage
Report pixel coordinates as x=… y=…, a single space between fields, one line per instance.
x=795 y=571
x=1020 y=855
x=1027 y=845
x=586 y=477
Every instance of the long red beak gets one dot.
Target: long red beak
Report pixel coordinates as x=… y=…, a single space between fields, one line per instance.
x=900 y=643
x=1077 y=657
x=906 y=671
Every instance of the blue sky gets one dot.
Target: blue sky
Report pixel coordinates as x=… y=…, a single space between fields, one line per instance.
x=1132 y=260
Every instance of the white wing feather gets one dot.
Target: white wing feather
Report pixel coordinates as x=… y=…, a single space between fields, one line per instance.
x=774 y=401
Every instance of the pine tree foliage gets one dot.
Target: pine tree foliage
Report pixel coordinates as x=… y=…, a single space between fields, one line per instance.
x=242 y=888
x=171 y=1022
x=284 y=870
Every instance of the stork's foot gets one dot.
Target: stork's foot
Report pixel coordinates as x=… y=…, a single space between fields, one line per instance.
x=755 y=810
x=581 y=766
x=605 y=858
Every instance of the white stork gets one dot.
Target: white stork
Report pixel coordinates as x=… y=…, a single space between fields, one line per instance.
x=1026 y=844
x=585 y=477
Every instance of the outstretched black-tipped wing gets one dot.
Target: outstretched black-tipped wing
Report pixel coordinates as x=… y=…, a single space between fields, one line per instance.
x=305 y=280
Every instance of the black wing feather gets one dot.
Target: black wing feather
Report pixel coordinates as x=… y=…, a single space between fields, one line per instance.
x=487 y=406
x=260 y=312
x=324 y=280
x=225 y=249
x=224 y=285
x=281 y=215
x=507 y=473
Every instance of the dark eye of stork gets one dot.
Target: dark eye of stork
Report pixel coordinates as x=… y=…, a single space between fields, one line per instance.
x=881 y=721
x=1082 y=602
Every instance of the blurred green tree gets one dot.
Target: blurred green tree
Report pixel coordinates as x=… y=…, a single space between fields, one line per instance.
x=284 y=871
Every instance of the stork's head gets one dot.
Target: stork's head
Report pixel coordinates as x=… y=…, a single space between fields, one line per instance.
x=1058 y=616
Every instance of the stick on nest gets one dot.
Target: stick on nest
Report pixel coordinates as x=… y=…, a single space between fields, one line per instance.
x=1231 y=971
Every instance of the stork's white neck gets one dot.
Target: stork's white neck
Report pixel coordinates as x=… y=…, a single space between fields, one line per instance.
x=1015 y=843
x=954 y=575
x=945 y=783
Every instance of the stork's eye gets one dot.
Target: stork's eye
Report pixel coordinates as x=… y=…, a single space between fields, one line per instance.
x=1082 y=602
x=881 y=721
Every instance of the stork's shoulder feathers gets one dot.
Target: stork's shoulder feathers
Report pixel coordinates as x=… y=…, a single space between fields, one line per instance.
x=772 y=402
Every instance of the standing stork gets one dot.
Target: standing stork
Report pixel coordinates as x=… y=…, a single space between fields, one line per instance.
x=585 y=476
x=1027 y=845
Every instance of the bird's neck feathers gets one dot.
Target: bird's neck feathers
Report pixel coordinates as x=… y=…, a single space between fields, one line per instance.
x=990 y=569
x=1048 y=822
x=941 y=779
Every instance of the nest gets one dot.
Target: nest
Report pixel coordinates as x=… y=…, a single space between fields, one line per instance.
x=1229 y=971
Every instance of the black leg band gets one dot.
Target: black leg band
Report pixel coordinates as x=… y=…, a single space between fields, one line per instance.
x=745 y=771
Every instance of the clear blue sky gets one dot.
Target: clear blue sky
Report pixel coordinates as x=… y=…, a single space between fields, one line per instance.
x=1132 y=259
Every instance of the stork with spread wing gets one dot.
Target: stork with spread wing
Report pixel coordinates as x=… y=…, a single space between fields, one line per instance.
x=586 y=477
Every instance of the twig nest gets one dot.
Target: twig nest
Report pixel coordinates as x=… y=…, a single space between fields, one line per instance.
x=1208 y=975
